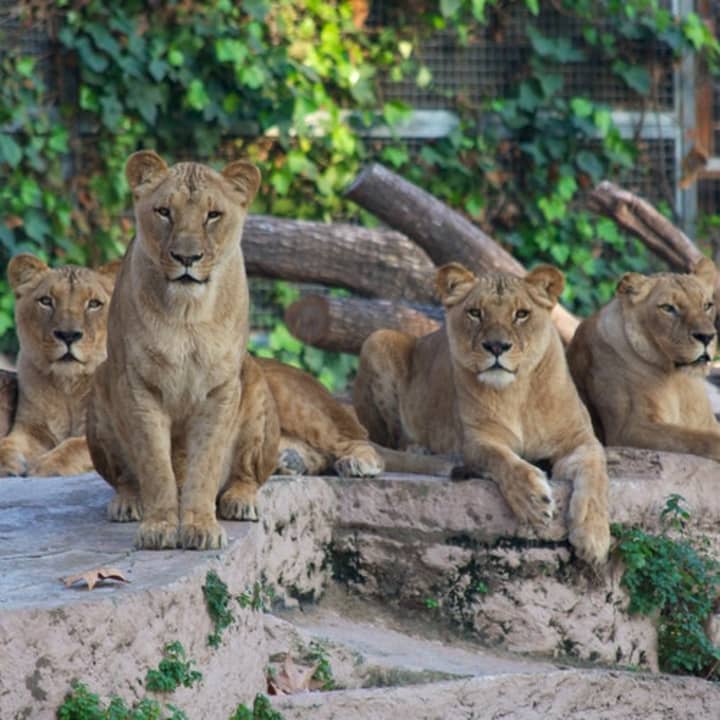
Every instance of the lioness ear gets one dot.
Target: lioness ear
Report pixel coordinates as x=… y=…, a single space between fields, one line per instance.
x=24 y=268
x=452 y=283
x=110 y=270
x=245 y=179
x=549 y=279
x=705 y=272
x=142 y=167
x=633 y=285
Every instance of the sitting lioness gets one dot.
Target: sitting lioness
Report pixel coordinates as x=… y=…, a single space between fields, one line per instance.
x=180 y=416
x=60 y=316
x=493 y=386
x=639 y=363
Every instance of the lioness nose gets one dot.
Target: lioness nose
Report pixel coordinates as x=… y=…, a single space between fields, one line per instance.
x=497 y=347
x=704 y=338
x=187 y=260
x=67 y=336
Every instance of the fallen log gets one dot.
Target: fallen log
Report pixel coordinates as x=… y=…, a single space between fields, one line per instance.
x=371 y=262
x=640 y=218
x=343 y=324
x=8 y=400
x=442 y=232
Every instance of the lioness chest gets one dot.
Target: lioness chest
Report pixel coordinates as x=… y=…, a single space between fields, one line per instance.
x=184 y=369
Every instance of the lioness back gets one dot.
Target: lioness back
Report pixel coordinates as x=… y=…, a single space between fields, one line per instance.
x=493 y=384
x=640 y=363
x=61 y=319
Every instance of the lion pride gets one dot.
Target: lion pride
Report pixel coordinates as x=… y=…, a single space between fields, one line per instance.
x=492 y=385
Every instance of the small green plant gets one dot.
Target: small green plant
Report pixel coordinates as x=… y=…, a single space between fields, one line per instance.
x=324 y=673
x=676 y=580
x=431 y=603
x=174 y=670
x=217 y=601
x=81 y=704
x=261 y=710
x=258 y=598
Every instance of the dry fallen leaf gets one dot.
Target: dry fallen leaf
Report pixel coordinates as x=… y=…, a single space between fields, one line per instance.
x=293 y=679
x=94 y=576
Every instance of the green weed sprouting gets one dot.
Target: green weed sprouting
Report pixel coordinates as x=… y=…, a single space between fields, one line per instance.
x=174 y=670
x=675 y=578
x=261 y=710
x=217 y=600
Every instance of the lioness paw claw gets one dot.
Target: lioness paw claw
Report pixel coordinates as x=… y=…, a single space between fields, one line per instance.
x=201 y=536
x=530 y=497
x=156 y=535
x=238 y=505
x=124 y=508
x=14 y=466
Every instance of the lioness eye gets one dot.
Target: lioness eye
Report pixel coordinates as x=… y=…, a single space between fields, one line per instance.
x=163 y=211
x=94 y=304
x=522 y=314
x=670 y=309
x=45 y=301
x=213 y=215
x=709 y=306
x=474 y=314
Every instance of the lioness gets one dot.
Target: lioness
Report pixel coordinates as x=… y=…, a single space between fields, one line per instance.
x=494 y=386
x=318 y=433
x=60 y=316
x=639 y=363
x=179 y=413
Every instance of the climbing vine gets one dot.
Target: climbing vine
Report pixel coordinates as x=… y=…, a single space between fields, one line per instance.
x=295 y=85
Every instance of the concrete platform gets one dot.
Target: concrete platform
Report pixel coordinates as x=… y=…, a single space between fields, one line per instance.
x=395 y=542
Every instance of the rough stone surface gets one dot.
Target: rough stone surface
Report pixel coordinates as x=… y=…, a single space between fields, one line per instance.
x=110 y=637
x=451 y=551
x=423 y=540
x=587 y=694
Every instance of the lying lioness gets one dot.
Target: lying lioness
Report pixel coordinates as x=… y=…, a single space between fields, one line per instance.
x=180 y=415
x=639 y=363
x=494 y=386
x=60 y=316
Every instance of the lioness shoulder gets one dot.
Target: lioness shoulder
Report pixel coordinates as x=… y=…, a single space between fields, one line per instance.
x=640 y=363
x=61 y=317
x=492 y=385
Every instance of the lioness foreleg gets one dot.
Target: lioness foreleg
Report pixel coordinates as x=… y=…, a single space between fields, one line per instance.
x=70 y=457
x=589 y=524
x=524 y=486
x=256 y=449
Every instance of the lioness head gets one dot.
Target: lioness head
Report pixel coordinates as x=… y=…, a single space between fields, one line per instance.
x=498 y=325
x=189 y=216
x=61 y=314
x=669 y=318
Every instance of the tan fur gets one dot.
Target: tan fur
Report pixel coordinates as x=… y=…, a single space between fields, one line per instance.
x=318 y=433
x=633 y=363
x=54 y=377
x=444 y=391
x=180 y=416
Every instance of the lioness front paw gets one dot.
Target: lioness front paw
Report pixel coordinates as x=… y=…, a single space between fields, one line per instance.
x=156 y=535
x=13 y=464
x=290 y=462
x=208 y=535
x=589 y=530
x=238 y=503
x=124 y=507
x=529 y=495
x=363 y=462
